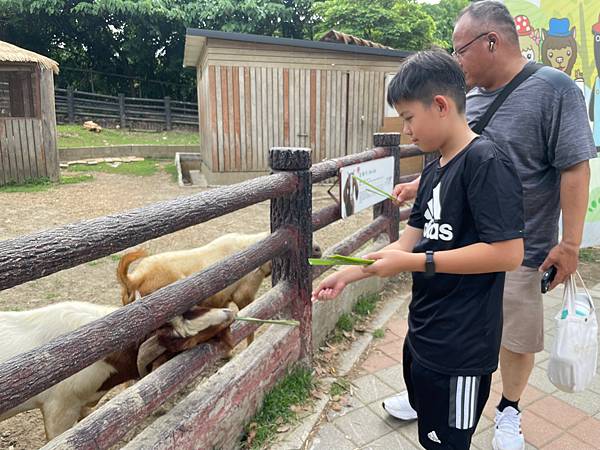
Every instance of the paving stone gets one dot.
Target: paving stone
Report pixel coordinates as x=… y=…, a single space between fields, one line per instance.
x=352 y=404
x=557 y=412
x=538 y=431
x=398 y=326
x=541 y=356
x=370 y=388
x=394 y=377
x=539 y=379
x=383 y=415
x=393 y=440
x=362 y=426
x=568 y=442
x=393 y=350
x=587 y=401
x=410 y=431
x=588 y=431
x=329 y=438
x=377 y=361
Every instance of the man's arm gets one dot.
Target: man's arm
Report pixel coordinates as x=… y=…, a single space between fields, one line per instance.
x=574 y=193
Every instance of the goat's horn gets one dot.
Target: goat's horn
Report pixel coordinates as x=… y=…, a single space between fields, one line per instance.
x=148 y=352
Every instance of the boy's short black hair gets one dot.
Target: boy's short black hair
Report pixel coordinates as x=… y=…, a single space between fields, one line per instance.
x=427 y=74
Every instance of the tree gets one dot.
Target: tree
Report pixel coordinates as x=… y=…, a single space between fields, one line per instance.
x=136 y=46
x=444 y=15
x=402 y=24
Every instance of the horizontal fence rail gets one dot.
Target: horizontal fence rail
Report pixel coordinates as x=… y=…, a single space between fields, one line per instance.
x=32 y=372
x=72 y=106
x=241 y=383
x=38 y=255
x=109 y=423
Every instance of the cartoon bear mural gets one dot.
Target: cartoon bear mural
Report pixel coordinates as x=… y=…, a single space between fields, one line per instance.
x=559 y=48
x=529 y=38
x=594 y=109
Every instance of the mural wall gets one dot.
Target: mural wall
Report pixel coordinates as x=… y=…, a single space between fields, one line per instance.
x=565 y=34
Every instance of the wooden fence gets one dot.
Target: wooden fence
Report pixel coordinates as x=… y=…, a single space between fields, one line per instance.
x=76 y=106
x=213 y=415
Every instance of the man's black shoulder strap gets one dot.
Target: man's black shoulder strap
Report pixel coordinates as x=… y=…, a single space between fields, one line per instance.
x=525 y=73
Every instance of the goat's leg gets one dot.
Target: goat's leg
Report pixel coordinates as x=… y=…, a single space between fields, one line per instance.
x=60 y=415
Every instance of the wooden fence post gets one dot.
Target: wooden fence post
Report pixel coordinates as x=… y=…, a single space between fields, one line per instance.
x=122 y=110
x=168 y=113
x=70 y=105
x=387 y=208
x=295 y=211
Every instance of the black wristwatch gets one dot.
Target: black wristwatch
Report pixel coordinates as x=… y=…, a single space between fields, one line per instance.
x=429 y=264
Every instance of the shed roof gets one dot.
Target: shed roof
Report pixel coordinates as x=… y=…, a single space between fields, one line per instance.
x=349 y=39
x=12 y=53
x=195 y=41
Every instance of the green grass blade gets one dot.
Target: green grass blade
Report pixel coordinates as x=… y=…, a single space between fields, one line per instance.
x=289 y=323
x=379 y=191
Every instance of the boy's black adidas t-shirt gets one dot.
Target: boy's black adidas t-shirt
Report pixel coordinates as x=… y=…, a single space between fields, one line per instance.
x=455 y=321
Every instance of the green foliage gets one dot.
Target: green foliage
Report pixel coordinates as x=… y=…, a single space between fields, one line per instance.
x=402 y=24
x=589 y=255
x=139 y=168
x=379 y=333
x=339 y=387
x=141 y=42
x=171 y=169
x=345 y=322
x=444 y=14
x=294 y=389
x=43 y=184
x=76 y=136
x=76 y=179
x=366 y=304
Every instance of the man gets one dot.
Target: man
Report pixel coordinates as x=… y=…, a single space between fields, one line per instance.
x=542 y=126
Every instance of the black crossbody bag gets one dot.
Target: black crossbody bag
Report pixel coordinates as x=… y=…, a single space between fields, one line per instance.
x=525 y=73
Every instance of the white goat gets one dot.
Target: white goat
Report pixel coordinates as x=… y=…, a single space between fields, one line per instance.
x=67 y=402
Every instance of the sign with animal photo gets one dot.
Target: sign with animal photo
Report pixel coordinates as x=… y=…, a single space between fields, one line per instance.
x=565 y=34
x=365 y=184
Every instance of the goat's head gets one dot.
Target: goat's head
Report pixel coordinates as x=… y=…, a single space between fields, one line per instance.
x=196 y=326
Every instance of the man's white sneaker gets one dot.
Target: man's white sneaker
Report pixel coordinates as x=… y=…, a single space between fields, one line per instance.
x=399 y=407
x=507 y=432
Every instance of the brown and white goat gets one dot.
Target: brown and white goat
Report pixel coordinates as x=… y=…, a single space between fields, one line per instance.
x=67 y=402
x=156 y=271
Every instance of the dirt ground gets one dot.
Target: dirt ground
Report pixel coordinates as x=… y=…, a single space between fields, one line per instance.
x=24 y=213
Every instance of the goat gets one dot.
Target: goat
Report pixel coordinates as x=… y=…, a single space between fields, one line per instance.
x=156 y=271
x=67 y=402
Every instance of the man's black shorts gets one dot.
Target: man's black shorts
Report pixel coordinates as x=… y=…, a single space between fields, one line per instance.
x=448 y=407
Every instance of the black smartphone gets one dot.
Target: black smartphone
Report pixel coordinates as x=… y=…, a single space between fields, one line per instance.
x=547 y=279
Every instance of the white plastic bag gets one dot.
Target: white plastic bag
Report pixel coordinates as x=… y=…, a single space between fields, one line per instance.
x=574 y=353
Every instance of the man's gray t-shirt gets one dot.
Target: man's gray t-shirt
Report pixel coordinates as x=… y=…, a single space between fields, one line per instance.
x=543 y=126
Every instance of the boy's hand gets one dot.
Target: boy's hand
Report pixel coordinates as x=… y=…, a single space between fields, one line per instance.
x=387 y=263
x=329 y=288
x=406 y=191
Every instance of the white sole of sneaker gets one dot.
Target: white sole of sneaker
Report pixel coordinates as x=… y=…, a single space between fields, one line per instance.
x=495 y=446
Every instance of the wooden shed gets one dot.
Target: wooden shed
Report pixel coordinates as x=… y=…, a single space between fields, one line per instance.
x=28 y=148
x=257 y=92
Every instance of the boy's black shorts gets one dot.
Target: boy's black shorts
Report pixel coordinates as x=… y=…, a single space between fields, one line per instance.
x=448 y=407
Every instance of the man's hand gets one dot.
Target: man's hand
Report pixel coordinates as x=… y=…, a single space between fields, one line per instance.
x=406 y=191
x=565 y=258
x=329 y=288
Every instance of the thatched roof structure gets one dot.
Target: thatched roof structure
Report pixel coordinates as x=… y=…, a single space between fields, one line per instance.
x=344 y=38
x=12 y=53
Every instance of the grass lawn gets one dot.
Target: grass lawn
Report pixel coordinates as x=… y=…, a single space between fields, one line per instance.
x=76 y=136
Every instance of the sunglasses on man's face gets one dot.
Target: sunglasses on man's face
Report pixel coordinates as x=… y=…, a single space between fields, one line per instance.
x=461 y=51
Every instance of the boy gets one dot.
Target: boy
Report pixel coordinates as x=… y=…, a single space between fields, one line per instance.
x=465 y=230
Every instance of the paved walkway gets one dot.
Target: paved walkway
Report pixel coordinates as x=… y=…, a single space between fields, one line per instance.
x=551 y=419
